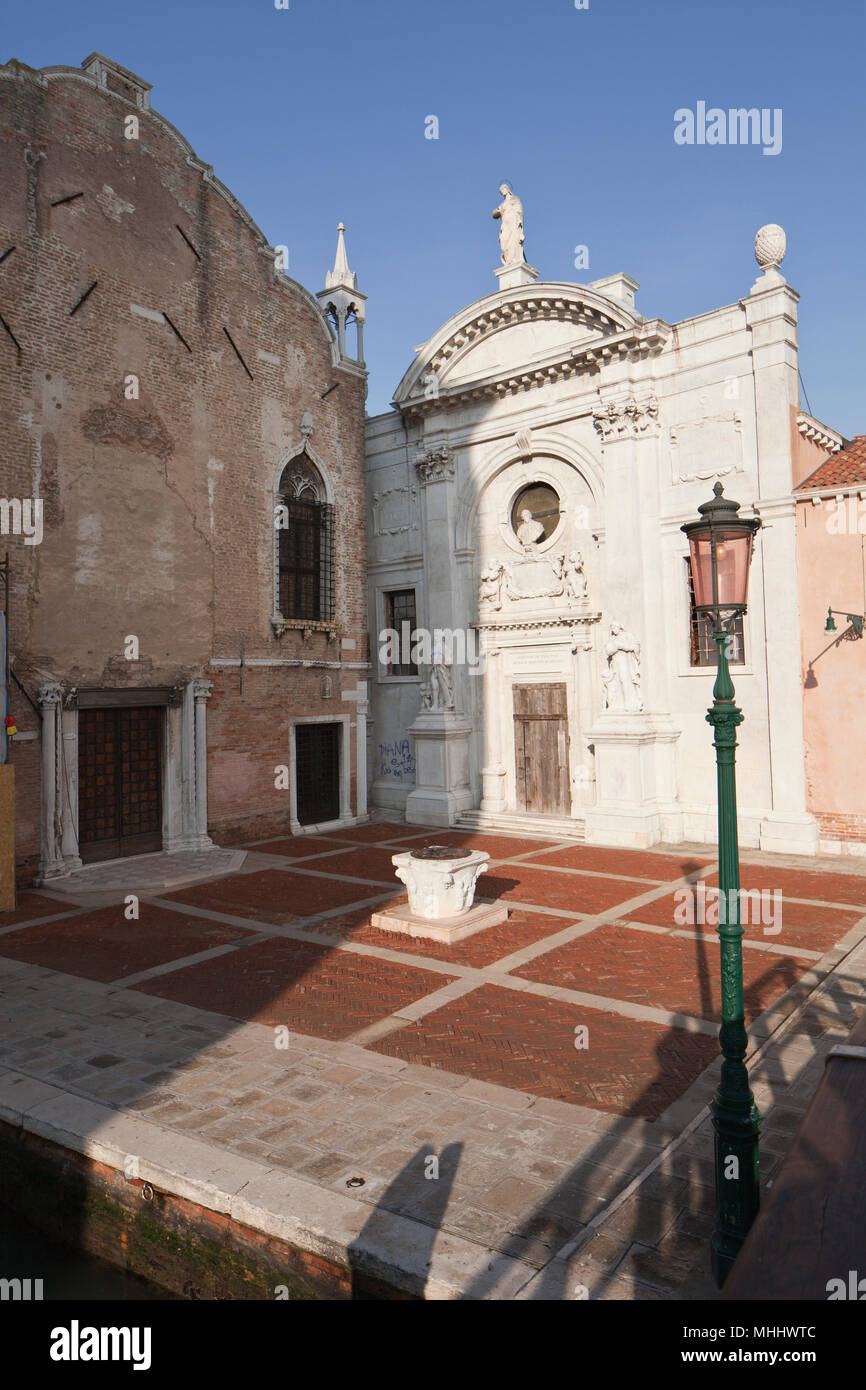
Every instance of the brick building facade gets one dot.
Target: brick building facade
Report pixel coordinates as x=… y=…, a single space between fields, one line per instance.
x=190 y=629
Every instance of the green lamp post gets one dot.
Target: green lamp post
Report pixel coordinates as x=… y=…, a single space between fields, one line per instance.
x=720 y=547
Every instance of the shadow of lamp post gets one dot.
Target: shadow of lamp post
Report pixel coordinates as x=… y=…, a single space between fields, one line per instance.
x=720 y=552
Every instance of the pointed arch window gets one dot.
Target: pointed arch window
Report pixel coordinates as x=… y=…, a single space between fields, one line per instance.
x=305 y=544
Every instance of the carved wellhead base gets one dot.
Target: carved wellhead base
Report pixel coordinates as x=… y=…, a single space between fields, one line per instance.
x=440 y=881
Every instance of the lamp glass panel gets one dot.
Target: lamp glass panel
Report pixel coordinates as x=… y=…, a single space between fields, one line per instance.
x=702 y=569
x=733 y=552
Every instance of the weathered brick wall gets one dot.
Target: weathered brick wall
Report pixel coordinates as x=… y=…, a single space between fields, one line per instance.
x=176 y=1244
x=158 y=510
x=836 y=826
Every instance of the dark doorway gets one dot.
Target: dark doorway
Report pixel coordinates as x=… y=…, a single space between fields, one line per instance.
x=317 y=759
x=541 y=749
x=119 y=782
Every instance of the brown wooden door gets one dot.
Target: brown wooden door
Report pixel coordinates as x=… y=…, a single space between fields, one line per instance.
x=119 y=782
x=541 y=749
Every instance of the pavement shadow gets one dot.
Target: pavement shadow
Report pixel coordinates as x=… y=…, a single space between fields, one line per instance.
x=648 y=1217
x=420 y=1191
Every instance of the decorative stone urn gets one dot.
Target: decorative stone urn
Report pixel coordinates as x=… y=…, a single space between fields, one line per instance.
x=440 y=881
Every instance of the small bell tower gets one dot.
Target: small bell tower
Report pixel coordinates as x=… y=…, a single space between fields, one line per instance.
x=343 y=303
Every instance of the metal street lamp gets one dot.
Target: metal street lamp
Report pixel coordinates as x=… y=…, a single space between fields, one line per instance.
x=856 y=620
x=720 y=547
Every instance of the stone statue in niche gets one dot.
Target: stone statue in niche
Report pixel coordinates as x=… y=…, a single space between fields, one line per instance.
x=491 y=585
x=574 y=579
x=511 y=233
x=530 y=531
x=622 y=679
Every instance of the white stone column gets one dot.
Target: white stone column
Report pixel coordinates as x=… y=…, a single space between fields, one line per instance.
x=771 y=313
x=584 y=782
x=202 y=691
x=188 y=817
x=361 y=747
x=68 y=787
x=51 y=863
x=172 y=781
x=632 y=557
x=493 y=774
x=442 y=736
x=635 y=751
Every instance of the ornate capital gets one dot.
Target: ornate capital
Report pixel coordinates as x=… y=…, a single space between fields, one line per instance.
x=202 y=690
x=51 y=693
x=625 y=419
x=437 y=465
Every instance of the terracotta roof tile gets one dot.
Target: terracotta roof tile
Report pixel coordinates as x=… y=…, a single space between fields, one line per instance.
x=842 y=469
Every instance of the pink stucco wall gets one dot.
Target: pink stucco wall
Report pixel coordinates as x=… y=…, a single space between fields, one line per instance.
x=832 y=572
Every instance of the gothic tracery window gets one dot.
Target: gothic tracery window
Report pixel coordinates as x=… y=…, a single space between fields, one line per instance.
x=305 y=531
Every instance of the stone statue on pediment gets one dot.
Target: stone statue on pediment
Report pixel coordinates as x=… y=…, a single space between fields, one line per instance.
x=442 y=695
x=622 y=678
x=511 y=233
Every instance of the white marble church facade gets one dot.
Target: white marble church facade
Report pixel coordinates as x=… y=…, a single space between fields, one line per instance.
x=527 y=489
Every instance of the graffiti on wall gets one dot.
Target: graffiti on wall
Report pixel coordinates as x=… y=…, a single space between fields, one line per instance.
x=397 y=760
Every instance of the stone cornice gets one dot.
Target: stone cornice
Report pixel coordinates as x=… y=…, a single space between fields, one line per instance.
x=565 y=620
x=618 y=333
x=819 y=434
x=774 y=507
x=589 y=357
x=830 y=492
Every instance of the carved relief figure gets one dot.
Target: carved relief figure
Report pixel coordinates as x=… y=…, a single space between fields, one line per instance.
x=573 y=576
x=511 y=233
x=491 y=585
x=622 y=680
x=530 y=531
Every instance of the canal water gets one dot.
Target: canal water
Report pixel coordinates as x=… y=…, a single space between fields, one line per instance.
x=26 y=1253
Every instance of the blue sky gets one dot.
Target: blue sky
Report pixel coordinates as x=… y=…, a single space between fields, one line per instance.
x=316 y=114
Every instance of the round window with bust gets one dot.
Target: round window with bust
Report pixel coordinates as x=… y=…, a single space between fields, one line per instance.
x=535 y=513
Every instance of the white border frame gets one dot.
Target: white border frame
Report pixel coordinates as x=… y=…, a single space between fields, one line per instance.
x=345 y=774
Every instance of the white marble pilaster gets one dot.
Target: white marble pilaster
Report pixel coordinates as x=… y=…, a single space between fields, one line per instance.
x=68 y=787
x=202 y=691
x=51 y=863
x=361 y=750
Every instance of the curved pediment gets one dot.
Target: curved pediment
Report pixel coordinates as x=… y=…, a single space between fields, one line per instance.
x=522 y=337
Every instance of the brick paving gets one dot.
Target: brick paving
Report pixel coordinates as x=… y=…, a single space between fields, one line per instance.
x=626 y=1068
x=590 y=1164
x=306 y=988
x=663 y=972
x=29 y=907
x=640 y=863
x=104 y=945
x=273 y=895
x=812 y=925
x=523 y=928
x=570 y=892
